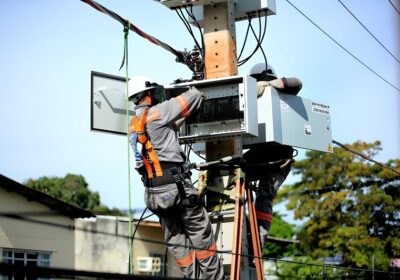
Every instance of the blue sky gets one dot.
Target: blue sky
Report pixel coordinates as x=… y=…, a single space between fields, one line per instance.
x=48 y=49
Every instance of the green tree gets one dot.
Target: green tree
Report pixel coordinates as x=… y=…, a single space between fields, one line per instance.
x=284 y=230
x=72 y=189
x=351 y=207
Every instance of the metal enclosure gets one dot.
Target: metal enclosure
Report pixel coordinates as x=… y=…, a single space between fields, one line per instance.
x=108 y=103
x=243 y=8
x=292 y=120
x=230 y=109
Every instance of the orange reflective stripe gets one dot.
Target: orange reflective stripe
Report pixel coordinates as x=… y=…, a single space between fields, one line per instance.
x=188 y=260
x=153 y=116
x=264 y=216
x=206 y=253
x=183 y=103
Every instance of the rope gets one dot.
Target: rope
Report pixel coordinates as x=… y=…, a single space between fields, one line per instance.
x=126 y=23
x=125 y=60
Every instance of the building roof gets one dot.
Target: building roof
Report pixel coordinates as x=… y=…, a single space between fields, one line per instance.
x=51 y=202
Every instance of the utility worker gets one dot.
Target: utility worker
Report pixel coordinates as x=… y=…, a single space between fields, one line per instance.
x=269 y=163
x=169 y=192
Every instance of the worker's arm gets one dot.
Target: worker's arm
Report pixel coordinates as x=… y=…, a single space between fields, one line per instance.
x=285 y=85
x=178 y=108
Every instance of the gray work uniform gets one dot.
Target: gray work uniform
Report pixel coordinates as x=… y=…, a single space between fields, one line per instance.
x=187 y=229
x=264 y=165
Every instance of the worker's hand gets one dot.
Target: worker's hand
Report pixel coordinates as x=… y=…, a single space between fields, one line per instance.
x=261 y=85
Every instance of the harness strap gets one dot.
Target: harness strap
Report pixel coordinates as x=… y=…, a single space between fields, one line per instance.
x=150 y=159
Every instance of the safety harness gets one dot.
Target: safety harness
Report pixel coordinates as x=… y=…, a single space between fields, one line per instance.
x=158 y=173
x=146 y=151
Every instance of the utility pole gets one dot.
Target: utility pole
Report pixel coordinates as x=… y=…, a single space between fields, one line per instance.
x=220 y=61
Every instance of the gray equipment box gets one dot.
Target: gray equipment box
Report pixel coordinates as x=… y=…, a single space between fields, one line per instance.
x=292 y=120
x=243 y=10
x=230 y=109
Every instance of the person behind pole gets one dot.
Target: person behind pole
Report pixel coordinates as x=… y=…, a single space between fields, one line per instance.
x=269 y=163
x=169 y=192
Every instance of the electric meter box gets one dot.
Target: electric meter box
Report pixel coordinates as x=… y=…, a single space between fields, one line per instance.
x=229 y=109
x=292 y=120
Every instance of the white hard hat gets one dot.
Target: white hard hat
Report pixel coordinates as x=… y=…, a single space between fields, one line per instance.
x=138 y=84
x=259 y=70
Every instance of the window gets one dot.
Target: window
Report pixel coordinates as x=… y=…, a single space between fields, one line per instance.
x=21 y=258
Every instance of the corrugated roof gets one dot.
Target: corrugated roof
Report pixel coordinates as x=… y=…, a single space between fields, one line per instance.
x=51 y=202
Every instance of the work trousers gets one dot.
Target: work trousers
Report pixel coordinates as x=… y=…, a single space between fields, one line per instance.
x=268 y=186
x=187 y=231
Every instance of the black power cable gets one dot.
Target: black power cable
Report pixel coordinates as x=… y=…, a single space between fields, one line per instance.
x=343 y=48
x=394 y=7
x=366 y=29
x=71 y=227
x=259 y=38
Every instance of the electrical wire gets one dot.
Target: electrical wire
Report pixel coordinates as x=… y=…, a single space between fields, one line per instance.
x=188 y=27
x=137 y=226
x=38 y=272
x=193 y=17
x=259 y=38
x=179 y=55
x=244 y=41
x=365 y=157
x=391 y=3
x=343 y=48
x=259 y=41
x=366 y=29
x=228 y=252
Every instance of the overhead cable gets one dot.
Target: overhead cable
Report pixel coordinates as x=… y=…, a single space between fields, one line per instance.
x=391 y=3
x=38 y=272
x=180 y=56
x=343 y=48
x=366 y=158
x=259 y=38
x=228 y=252
x=366 y=29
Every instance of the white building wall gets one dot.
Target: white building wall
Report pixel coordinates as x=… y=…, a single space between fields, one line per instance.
x=36 y=236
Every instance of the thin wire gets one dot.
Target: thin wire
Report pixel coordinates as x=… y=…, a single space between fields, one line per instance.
x=394 y=7
x=343 y=48
x=259 y=39
x=188 y=27
x=260 y=46
x=376 y=39
x=228 y=252
x=137 y=225
x=191 y=14
x=244 y=41
x=365 y=157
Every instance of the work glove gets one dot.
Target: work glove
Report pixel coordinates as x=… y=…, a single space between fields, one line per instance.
x=285 y=85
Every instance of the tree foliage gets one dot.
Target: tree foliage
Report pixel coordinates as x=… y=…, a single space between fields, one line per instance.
x=351 y=207
x=284 y=230
x=72 y=189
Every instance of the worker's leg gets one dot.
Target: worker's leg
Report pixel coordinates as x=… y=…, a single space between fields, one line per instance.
x=163 y=202
x=267 y=188
x=179 y=244
x=199 y=230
